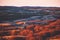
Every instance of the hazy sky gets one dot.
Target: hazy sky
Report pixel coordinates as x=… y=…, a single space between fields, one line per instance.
x=55 y=3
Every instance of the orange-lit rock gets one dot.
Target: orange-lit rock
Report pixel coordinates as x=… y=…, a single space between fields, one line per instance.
x=5 y=24
x=20 y=22
x=39 y=32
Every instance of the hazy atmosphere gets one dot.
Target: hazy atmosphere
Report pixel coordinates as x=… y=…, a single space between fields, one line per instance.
x=54 y=3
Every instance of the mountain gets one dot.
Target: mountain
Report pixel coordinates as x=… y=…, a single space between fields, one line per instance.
x=10 y=13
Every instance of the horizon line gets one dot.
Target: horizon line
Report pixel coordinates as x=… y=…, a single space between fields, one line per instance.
x=36 y=6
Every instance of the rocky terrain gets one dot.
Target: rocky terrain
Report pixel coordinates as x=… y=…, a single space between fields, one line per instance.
x=29 y=23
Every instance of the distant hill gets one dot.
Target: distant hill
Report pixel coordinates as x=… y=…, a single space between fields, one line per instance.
x=9 y=13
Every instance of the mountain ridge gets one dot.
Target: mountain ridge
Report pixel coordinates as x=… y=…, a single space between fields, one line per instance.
x=12 y=12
